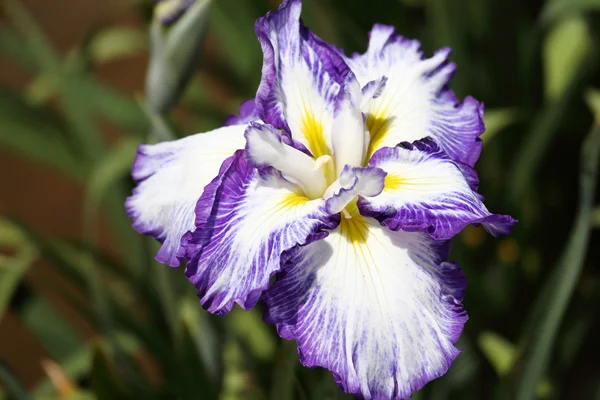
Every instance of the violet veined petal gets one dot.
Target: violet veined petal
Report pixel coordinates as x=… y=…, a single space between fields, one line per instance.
x=377 y=308
x=372 y=90
x=256 y=216
x=426 y=191
x=416 y=101
x=301 y=79
x=248 y=113
x=170 y=178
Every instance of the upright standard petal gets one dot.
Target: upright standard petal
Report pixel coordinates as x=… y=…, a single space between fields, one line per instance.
x=301 y=79
x=256 y=215
x=416 y=101
x=377 y=308
x=170 y=178
x=426 y=191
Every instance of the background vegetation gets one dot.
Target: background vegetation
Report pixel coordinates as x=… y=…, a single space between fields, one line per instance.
x=532 y=296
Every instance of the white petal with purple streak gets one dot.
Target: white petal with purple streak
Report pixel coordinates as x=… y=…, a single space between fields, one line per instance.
x=302 y=78
x=256 y=215
x=377 y=308
x=170 y=178
x=416 y=101
x=426 y=191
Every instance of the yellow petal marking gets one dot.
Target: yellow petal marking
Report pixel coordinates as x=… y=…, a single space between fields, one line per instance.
x=392 y=182
x=378 y=125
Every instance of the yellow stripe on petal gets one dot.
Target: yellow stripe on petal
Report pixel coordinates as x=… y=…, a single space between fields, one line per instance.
x=379 y=125
x=293 y=200
x=355 y=231
x=313 y=131
x=393 y=182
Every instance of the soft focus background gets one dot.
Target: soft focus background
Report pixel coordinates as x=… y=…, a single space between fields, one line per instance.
x=87 y=314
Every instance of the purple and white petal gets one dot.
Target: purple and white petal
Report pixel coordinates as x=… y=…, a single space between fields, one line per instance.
x=416 y=101
x=426 y=191
x=377 y=308
x=372 y=90
x=236 y=247
x=248 y=113
x=301 y=79
x=170 y=178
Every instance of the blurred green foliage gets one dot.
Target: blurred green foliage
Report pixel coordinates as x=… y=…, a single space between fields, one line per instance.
x=532 y=296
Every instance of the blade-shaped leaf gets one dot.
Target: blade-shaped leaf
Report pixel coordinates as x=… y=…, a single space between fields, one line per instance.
x=497 y=120
x=36 y=134
x=115 y=43
x=565 y=48
x=17 y=254
x=557 y=9
x=500 y=352
x=12 y=385
x=538 y=347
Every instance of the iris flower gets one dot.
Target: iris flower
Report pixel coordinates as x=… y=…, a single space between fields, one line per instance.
x=345 y=178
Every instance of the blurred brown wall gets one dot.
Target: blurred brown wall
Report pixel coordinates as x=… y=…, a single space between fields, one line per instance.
x=35 y=195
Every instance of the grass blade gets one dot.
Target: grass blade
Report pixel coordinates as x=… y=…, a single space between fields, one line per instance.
x=539 y=346
x=13 y=267
x=545 y=126
x=12 y=385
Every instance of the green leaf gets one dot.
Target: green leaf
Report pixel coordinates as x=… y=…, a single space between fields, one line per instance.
x=42 y=89
x=114 y=166
x=558 y=9
x=592 y=99
x=17 y=255
x=539 y=346
x=233 y=24
x=251 y=329
x=174 y=53
x=448 y=28
x=565 y=48
x=75 y=366
x=115 y=43
x=159 y=128
x=115 y=106
x=496 y=120
x=465 y=366
x=103 y=381
x=596 y=217
x=193 y=367
x=38 y=48
x=500 y=352
x=12 y=384
x=238 y=380
x=543 y=128
x=36 y=134
x=284 y=373
x=51 y=328
x=81 y=395
x=203 y=334
x=14 y=46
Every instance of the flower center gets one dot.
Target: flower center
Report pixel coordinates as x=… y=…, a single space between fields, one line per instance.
x=265 y=147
